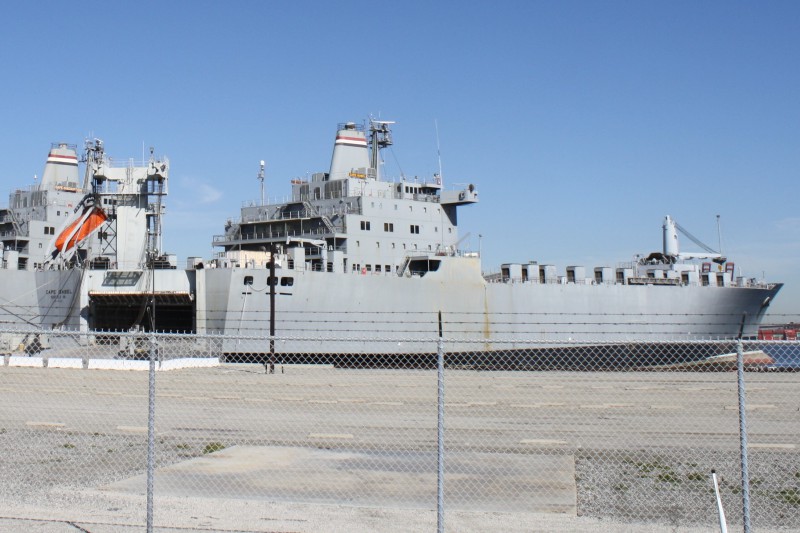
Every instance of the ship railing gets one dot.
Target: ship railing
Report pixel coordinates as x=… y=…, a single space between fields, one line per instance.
x=262 y=216
x=755 y=284
x=749 y=283
x=402 y=195
x=267 y=201
x=497 y=277
x=29 y=188
x=316 y=232
x=129 y=162
x=70 y=146
x=282 y=215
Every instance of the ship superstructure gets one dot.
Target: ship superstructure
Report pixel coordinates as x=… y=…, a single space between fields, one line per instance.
x=132 y=195
x=349 y=219
x=63 y=226
x=28 y=225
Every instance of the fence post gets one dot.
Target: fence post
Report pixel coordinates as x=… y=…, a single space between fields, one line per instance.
x=151 y=433
x=440 y=432
x=743 y=435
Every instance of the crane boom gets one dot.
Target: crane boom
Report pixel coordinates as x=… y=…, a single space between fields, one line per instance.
x=695 y=240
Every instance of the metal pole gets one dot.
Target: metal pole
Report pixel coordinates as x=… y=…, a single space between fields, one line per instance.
x=743 y=432
x=440 y=432
x=151 y=433
x=723 y=526
x=273 y=281
x=151 y=397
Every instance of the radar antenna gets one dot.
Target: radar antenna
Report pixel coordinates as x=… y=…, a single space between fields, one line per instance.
x=261 y=179
x=440 y=175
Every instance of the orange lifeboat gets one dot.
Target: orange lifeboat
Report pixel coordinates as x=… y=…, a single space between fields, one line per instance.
x=93 y=218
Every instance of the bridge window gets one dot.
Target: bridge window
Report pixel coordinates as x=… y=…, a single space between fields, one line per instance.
x=365 y=225
x=287 y=282
x=420 y=267
x=248 y=280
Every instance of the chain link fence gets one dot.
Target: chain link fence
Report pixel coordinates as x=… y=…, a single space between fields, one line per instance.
x=252 y=434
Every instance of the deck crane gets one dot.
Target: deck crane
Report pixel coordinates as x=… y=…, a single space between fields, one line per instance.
x=671 y=244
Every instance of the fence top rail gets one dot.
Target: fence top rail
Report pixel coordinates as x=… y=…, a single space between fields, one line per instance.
x=422 y=337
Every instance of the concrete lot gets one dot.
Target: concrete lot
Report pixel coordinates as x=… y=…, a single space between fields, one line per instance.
x=315 y=448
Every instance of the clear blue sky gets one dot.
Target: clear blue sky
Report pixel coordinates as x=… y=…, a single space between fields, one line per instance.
x=581 y=123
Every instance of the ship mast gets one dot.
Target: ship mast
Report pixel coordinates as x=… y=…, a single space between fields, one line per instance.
x=261 y=179
x=380 y=137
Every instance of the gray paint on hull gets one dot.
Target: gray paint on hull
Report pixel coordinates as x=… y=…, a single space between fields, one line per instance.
x=391 y=307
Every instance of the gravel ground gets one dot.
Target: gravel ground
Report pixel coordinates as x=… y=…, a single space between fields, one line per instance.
x=42 y=460
x=662 y=487
x=669 y=487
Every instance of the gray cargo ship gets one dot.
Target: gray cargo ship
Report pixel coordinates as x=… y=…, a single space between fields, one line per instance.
x=61 y=230
x=355 y=255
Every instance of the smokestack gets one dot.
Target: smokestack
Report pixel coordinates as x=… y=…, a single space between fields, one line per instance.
x=349 y=151
x=61 y=166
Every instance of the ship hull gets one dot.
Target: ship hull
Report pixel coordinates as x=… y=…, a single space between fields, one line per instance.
x=37 y=301
x=378 y=317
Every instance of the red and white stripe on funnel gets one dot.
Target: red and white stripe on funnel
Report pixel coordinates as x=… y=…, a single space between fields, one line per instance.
x=351 y=141
x=62 y=159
